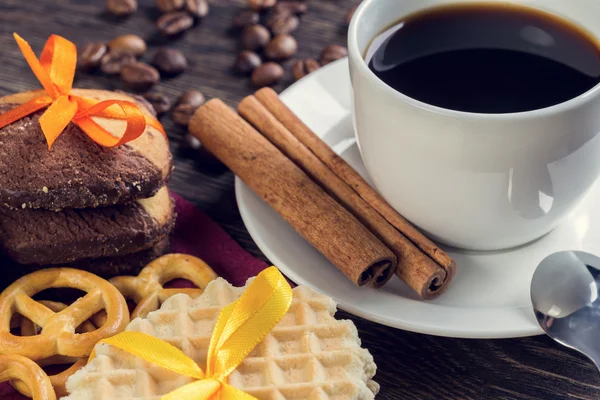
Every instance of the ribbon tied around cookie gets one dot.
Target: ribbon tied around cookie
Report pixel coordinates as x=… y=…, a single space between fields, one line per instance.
x=55 y=69
x=240 y=327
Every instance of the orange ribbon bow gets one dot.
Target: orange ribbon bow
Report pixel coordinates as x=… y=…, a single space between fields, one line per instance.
x=55 y=70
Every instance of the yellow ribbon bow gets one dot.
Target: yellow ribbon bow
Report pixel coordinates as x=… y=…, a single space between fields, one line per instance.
x=55 y=69
x=240 y=327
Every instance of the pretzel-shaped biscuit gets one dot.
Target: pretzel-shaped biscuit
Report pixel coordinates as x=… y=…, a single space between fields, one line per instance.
x=28 y=328
x=59 y=381
x=147 y=290
x=58 y=335
x=22 y=369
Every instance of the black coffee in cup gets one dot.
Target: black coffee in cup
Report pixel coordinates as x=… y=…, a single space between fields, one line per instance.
x=486 y=58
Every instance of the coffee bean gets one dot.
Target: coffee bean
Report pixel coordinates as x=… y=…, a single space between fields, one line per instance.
x=91 y=55
x=132 y=44
x=159 y=101
x=333 y=53
x=293 y=7
x=112 y=63
x=205 y=158
x=169 y=61
x=267 y=74
x=193 y=97
x=166 y=6
x=192 y=142
x=255 y=37
x=139 y=76
x=182 y=114
x=281 y=47
x=244 y=19
x=350 y=14
x=301 y=68
x=282 y=22
x=246 y=62
x=187 y=104
x=121 y=8
x=197 y=8
x=174 y=23
x=261 y=5
x=194 y=147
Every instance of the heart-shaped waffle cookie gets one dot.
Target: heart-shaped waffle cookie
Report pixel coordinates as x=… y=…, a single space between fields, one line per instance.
x=308 y=355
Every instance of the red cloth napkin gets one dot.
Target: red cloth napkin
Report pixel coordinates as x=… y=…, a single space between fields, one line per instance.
x=198 y=235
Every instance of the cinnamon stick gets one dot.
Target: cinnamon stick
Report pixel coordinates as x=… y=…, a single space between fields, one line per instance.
x=330 y=228
x=342 y=169
x=415 y=268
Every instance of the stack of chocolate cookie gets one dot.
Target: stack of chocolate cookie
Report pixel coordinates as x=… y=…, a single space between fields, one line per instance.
x=82 y=205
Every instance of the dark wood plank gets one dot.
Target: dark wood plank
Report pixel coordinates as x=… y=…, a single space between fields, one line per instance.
x=411 y=366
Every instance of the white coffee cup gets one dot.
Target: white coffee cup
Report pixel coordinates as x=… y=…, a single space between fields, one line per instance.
x=474 y=181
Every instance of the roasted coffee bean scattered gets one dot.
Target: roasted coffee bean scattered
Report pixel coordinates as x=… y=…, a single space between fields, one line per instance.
x=121 y=8
x=132 y=44
x=186 y=105
x=301 y=68
x=246 y=62
x=282 y=22
x=166 y=6
x=333 y=53
x=159 y=101
x=199 y=152
x=293 y=7
x=281 y=47
x=91 y=55
x=349 y=15
x=281 y=18
x=192 y=142
x=169 y=61
x=267 y=74
x=112 y=63
x=197 y=8
x=174 y=23
x=194 y=97
x=244 y=19
x=255 y=37
x=261 y=5
x=139 y=76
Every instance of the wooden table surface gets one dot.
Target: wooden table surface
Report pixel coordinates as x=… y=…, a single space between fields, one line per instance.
x=411 y=366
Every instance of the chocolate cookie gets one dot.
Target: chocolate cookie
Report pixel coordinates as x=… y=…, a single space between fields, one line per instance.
x=129 y=264
x=76 y=172
x=108 y=267
x=36 y=236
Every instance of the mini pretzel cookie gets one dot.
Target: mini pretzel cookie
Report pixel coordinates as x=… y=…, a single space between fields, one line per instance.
x=147 y=290
x=58 y=335
x=22 y=369
x=28 y=328
x=58 y=381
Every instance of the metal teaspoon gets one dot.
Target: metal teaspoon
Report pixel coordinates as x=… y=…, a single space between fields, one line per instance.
x=564 y=293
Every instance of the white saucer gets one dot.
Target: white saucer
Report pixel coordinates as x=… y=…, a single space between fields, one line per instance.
x=489 y=297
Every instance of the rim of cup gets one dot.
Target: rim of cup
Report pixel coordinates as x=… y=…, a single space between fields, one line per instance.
x=360 y=63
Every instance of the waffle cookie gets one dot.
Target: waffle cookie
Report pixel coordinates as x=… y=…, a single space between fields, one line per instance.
x=45 y=237
x=77 y=173
x=308 y=355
